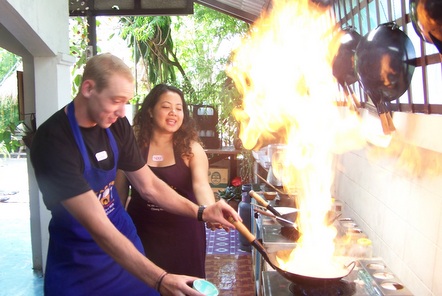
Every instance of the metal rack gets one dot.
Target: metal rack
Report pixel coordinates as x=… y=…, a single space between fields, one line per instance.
x=423 y=95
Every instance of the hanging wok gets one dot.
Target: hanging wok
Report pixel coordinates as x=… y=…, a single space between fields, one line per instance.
x=384 y=63
x=426 y=17
x=343 y=63
x=293 y=277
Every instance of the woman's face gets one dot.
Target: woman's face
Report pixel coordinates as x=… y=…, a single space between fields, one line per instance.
x=168 y=113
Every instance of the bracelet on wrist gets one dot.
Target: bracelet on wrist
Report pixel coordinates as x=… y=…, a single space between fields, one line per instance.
x=159 y=281
x=200 y=212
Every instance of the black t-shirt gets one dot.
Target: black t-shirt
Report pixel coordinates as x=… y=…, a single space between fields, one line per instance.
x=58 y=163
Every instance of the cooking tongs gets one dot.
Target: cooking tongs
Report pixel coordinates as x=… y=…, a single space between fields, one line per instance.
x=264 y=203
x=282 y=221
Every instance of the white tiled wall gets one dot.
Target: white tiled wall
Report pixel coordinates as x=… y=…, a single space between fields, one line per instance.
x=399 y=210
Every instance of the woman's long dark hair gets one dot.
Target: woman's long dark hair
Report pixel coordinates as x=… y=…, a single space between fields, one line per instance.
x=143 y=123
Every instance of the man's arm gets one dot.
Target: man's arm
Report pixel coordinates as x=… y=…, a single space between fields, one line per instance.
x=90 y=213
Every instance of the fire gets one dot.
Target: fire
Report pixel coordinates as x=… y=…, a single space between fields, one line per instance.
x=283 y=70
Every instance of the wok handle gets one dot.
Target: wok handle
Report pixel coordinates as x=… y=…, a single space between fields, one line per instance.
x=391 y=126
x=384 y=123
x=242 y=229
x=264 y=203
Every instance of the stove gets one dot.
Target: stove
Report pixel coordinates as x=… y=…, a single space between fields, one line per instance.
x=275 y=284
x=363 y=280
x=369 y=277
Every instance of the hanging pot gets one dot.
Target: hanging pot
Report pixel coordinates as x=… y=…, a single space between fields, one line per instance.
x=385 y=63
x=426 y=17
x=343 y=63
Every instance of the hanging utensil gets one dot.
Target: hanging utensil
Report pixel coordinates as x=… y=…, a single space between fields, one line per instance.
x=280 y=220
x=426 y=18
x=343 y=64
x=384 y=63
x=273 y=187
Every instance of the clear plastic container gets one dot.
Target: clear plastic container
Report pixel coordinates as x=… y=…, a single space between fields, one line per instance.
x=363 y=248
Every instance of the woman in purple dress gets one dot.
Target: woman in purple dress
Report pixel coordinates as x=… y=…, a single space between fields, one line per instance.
x=168 y=139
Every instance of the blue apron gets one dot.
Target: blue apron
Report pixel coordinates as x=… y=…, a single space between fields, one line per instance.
x=76 y=265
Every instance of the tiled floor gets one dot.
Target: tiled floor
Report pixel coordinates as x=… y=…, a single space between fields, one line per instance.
x=232 y=274
x=227 y=267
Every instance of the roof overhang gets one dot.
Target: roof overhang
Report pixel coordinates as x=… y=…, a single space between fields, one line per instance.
x=246 y=10
x=129 y=7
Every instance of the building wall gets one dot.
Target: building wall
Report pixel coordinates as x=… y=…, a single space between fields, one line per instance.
x=38 y=31
x=394 y=195
x=47 y=19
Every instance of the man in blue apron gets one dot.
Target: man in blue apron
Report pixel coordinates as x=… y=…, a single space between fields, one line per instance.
x=93 y=245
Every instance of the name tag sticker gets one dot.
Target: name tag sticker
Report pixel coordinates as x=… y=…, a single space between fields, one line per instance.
x=101 y=155
x=157 y=157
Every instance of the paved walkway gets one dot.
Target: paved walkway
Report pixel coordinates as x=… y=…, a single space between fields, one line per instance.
x=16 y=274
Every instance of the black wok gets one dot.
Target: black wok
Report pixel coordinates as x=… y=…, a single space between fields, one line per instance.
x=343 y=63
x=426 y=17
x=384 y=63
x=271 y=260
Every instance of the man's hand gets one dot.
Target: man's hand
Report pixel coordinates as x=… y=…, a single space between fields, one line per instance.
x=177 y=285
x=215 y=226
x=218 y=213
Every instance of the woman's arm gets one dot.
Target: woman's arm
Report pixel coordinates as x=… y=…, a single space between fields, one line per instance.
x=199 y=167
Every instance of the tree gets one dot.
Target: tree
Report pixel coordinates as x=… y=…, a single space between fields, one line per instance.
x=10 y=140
x=78 y=43
x=204 y=44
x=8 y=61
x=190 y=52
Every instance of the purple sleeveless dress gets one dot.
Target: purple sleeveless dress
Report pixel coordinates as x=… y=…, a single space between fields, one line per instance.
x=173 y=242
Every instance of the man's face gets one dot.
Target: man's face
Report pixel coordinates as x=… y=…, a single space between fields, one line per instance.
x=106 y=106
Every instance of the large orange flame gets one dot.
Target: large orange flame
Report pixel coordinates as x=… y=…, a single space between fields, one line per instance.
x=283 y=70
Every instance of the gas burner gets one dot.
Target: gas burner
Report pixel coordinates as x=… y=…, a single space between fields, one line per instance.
x=334 y=288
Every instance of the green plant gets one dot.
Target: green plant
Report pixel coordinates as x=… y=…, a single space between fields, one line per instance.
x=10 y=135
x=233 y=192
